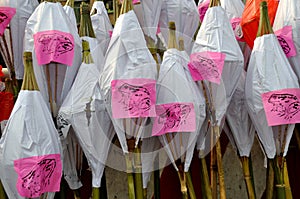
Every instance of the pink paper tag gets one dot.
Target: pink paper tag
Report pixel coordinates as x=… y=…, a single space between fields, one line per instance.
x=54 y=46
x=6 y=14
x=282 y=106
x=237 y=29
x=158 y=29
x=133 y=98
x=174 y=117
x=38 y=175
x=135 y=1
x=207 y=66
x=285 y=38
x=202 y=8
x=110 y=32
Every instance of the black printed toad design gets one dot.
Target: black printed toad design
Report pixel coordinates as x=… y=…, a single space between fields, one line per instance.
x=285 y=105
x=39 y=177
x=3 y=17
x=284 y=45
x=206 y=67
x=174 y=116
x=135 y=99
x=55 y=43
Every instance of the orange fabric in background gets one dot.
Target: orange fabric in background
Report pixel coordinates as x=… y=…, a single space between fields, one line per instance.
x=6 y=105
x=250 y=18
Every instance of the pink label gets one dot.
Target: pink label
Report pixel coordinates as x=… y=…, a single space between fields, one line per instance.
x=174 y=117
x=282 y=106
x=237 y=28
x=202 y=8
x=54 y=46
x=133 y=98
x=110 y=32
x=158 y=29
x=135 y=1
x=6 y=14
x=207 y=66
x=285 y=38
x=38 y=175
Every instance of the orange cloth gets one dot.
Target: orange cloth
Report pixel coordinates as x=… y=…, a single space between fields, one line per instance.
x=251 y=15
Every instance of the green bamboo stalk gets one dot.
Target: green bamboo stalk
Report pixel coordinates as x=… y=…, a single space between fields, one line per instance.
x=86 y=28
x=76 y=194
x=190 y=185
x=251 y=173
x=70 y=3
x=264 y=26
x=182 y=179
x=29 y=82
x=206 y=189
x=138 y=179
x=130 y=178
x=222 y=187
x=2 y=192
x=269 y=180
x=96 y=193
x=145 y=194
x=279 y=183
x=213 y=173
x=248 y=177
x=288 y=191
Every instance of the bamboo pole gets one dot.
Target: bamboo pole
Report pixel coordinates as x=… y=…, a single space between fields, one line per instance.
x=183 y=187
x=130 y=177
x=190 y=185
x=96 y=193
x=279 y=183
x=2 y=192
x=288 y=191
x=269 y=180
x=206 y=189
x=219 y=165
x=138 y=179
x=213 y=172
x=248 y=177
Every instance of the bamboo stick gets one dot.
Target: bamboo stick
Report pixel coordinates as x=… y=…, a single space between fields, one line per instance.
x=70 y=3
x=206 y=189
x=172 y=36
x=279 y=183
x=190 y=185
x=2 y=192
x=138 y=179
x=251 y=174
x=213 y=172
x=220 y=166
x=183 y=187
x=248 y=177
x=269 y=180
x=49 y=89
x=29 y=82
x=96 y=193
x=288 y=191
x=86 y=28
x=130 y=178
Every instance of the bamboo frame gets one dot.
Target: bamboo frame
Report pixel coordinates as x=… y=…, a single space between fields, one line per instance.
x=248 y=177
